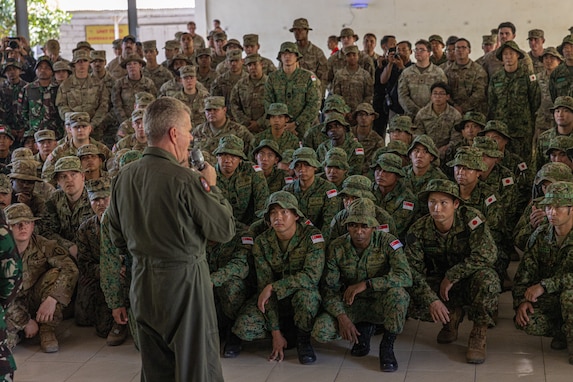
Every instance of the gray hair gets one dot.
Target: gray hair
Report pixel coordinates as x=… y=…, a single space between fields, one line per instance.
x=161 y=115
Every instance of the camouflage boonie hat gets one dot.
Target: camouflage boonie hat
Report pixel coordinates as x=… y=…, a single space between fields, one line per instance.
x=137 y=114
x=497 y=126
x=90 y=149
x=301 y=23
x=427 y=142
x=70 y=163
x=18 y=213
x=278 y=109
x=362 y=211
x=367 y=108
x=400 y=123
x=558 y=194
x=270 y=144
x=535 y=33
x=396 y=147
x=488 y=39
x=5 y=186
x=214 y=102
x=116 y=44
x=78 y=55
x=488 y=146
x=436 y=37
x=471 y=116
x=334 y=117
x=234 y=55
x=554 y=172
x=358 y=186
x=289 y=47
x=566 y=40
x=22 y=153
x=250 y=39
x=6 y=131
x=350 y=49
x=173 y=44
x=231 y=144
x=82 y=45
x=45 y=59
x=511 y=45
x=11 y=62
x=144 y=98
x=389 y=162
x=203 y=52
x=98 y=55
x=219 y=36
x=187 y=71
x=563 y=101
x=304 y=154
x=25 y=170
x=287 y=155
x=62 y=65
x=469 y=157
x=335 y=102
x=284 y=199
x=131 y=58
x=98 y=188
x=551 y=51
x=440 y=185
x=561 y=143
x=255 y=57
x=336 y=157
x=348 y=32
x=232 y=41
x=149 y=45
x=128 y=157
x=79 y=118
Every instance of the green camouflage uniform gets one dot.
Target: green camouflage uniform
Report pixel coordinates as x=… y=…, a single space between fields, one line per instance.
x=561 y=81
x=337 y=62
x=277 y=180
x=544 y=119
x=440 y=127
x=414 y=87
x=354 y=150
x=123 y=95
x=338 y=228
x=208 y=79
x=205 y=139
x=400 y=203
x=196 y=104
x=129 y=142
x=286 y=141
x=543 y=144
x=9 y=104
x=417 y=184
x=468 y=83
x=314 y=60
x=224 y=84
x=371 y=143
x=38 y=108
x=159 y=75
x=247 y=101
x=492 y=64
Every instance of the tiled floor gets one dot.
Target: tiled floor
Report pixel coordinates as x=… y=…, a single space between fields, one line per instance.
x=512 y=356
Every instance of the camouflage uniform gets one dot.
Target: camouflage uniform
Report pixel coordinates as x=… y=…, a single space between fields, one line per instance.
x=561 y=79
x=123 y=95
x=440 y=127
x=544 y=119
x=493 y=64
x=415 y=183
x=247 y=101
x=337 y=61
x=468 y=83
x=129 y=142
x=414 y=87
x=171 y=88
x=354 y=149
x=9 y=104
x=314 y=60
x=207 y=140
x=159 y=75
x=38 y=108
x=547 y=136
x=314 y=136
x=225 y=83
x=286 y=141
x=114 y=68
x=195 y=103
x=355 y=87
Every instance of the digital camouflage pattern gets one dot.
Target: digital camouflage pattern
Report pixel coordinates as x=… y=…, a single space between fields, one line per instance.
x=414 y=87
x=468 y=83
x=206 y=139
x=158 y=75
x=355 y=87
x=354 y=152
x=123 y=95
x=38 y=108
x=196 y=104
x=247 y=102
x=438 y=127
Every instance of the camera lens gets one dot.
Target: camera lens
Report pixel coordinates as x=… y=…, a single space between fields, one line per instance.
x=13 y=45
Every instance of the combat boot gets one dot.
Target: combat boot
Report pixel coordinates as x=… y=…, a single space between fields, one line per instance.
x=362 y=347
x=48 y=340
x=449 y=332
x=117 y=335
x=476 y=344
x=304 y=348
x=386 y=356
x=559 y=342
x=233 y=346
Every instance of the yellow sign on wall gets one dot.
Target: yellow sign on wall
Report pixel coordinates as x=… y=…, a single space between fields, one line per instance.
x=104 y=34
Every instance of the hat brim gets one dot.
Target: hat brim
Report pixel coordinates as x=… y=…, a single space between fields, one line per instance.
x=21 y=219
x=256 y=151
x=456 y=162
x=293 y=28
x=370 y=221
x=124 y=63
x=98 y=194
x=311 y=162
x=423 y=196
x=236 y=153
x=265 y=211
x=376 y=115
x=24 y=177
x=499 y=52
x=395 y=170
x=366 y=194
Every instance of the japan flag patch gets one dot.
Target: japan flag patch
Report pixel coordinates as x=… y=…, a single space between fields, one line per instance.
x=522 y=166
x=475 y=222
x=507 y=181
x=491 y=199
x=257 y=168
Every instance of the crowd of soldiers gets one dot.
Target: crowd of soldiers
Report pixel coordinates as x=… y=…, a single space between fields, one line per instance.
x=405 y=192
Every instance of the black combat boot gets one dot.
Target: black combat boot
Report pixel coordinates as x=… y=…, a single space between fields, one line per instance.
x=304 y=348
x=388 y=361
x=362 y=347
x=233 y=346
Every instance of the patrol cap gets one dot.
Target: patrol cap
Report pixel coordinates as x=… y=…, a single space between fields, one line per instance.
x=82 y=45
x=4 y=129
x=335 y=102
x=45 y=59
x=440 y=185
x=270 y=144
x=231 y=144
x=144 y=98
x=69 y=163
x=203 y=52
x=396 y=147
x=25 y=170
x=79 y=118
x=566 y=40
x=214 y=102
x=284 y=199
x=428 y=143
x=22 y=153
x=471 y=116
x=116 y=44
x=171 y=44
x=436 y=37
x=334 y=117
x=563 y=101
x=389 y=162
x=129 y=37
x=535 y=33
x=551 y=51
x=44 y=135
x=358 y=186
x=469 y=157
x=67 y=116
x=131 y=58
x=251 y=39
x=304 y=154
x=511 y=45
x=11 y=62
x=348 y=32
x=336 y=157
x=561 y=143
x=52 y=45
x=90 y=149
x=28 y=133
x=367 y=108
x=278 y=109
x=488 y=39
x=18 y=213
x=488 y=146
x=234 y=55
x=350 y=49
x=149 y=45
x=230 y=42
x=178 y=35
x=219 y=36
x=497 y=126
x=362 y=211
x=452 y=40
x=558 y=194
x=288 y=46
x=300 y=23
x=187 y=71
x=255 y=57
x=554 y=172
x=98 y=188
x=97 y=55
x=128 y=157
x=79 y=54
x=400 y=123
x=5 y=186
x=137 y=114
x=63 y=65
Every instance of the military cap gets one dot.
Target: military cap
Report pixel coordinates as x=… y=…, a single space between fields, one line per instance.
x=79 y=118
x=396 y=147
x=535 y=33
x=436 y=37
x=25 y=170
x=270 y=144
x=255 y=57
x=203 y=52
x=45 y=59
x=116 y=44
x=400 y=123
x=389 y=162
x=551 y=51
x=334 y=117
x=234 y=55
x=362 y=211
x=287 y=155
x=278 y=109
x=558 y=194
x=180 y=57
x=350 y=49
x=348 y=32
x=469 y=157
x=563 y=101
x=452 y=40
x=250 y=39
x=440 y=185
x=497 y=126
x=149 y=45
x=5 y=186
x=52 y=45
x=171 y=44
x=144 y=98
x=22 y=153
x=28 y=133
x=90 y=149
x=43 y=135
x=288 y=46
x=488 y=146
x=335 y=102
x=4 y=129
x=554 y=172
x=511 y=45
x=11 y=62
x=137 y=114
x=98 y=188
x=131 y=58
x=210 y=35
x=219 y=36
x=367 y=108
x=358 y=186
x=231 y=144
x=304 y=154
x=232 y=41
x=128 y=157
x=471 y=116
x=82 y=45
x=18 y=213
x=300 y=23
x=214 y=102
x=79 y=54
x=336 y=157
x=187 y=71
x=178 y=35
x=97 y=55
x=69 y=163
x=561 y=143
x=427 y=142
x=67 y=116
x=284 y=199
x=129 y=37
x=488 y=39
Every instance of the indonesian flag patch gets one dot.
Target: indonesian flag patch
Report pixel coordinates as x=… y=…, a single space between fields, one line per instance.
x=331 y=193
x=408 y=206
x=522 y=166
x=247 y=240
x=308 y=222
x=313 y=77
x=507 y=181
x=396 y=244
x=491 y=199
x=359 y=151
x=317 y=238
x=289 y=180
x=257 y=168
x=383 y=228
x=475 y=222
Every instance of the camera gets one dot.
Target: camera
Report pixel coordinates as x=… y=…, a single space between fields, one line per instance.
x=13 y=43
x=392 y=50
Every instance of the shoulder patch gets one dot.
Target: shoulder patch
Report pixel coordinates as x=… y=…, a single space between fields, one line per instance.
x=257 y=168
x=205 y=185
x=308 y=222
x=313 y=77
x=408 y=205
x=522 y=166
x=490 y=199
x=289 y=179
x=331 y=193
x=383 y=228
x=396 y=244
x=359 y=151
x=475 y=222
x=247 y=240
x=532 y=78
x=507 y=181
x=317 y=238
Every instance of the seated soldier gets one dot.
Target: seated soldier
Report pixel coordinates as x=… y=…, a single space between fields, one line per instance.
x=46 y=143
x=137 y=140
x=425 y=164
x=29 y=142
x=5 y=191
x=470 y=126
x=335 y=165
x=332 y=104
x=364 y=133
x=289 y=260
x=557 y=150
x=142 y=100
x=451 y=255
x=192 y=95
x=24 y=178
x=267 y=155
x=543 y=294
x=92 y=162
x=400 y=129
x=278 y=117
x=394 y=147
x=49 y=280
x=363 y=285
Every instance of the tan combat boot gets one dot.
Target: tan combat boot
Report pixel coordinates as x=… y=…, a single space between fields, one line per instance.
x=476 y=344
x=48 y=340
x=449 y=332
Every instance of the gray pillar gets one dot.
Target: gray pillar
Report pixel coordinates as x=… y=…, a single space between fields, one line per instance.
x=22 y=19
x=132 y=18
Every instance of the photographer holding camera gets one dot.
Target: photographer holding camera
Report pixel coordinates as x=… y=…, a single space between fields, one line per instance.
x=16 y=48
x=398 y=60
